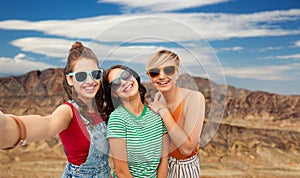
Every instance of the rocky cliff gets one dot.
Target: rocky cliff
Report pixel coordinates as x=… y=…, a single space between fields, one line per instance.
x=258 y=135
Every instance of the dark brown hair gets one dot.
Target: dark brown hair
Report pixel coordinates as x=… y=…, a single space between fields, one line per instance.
x=77 y=52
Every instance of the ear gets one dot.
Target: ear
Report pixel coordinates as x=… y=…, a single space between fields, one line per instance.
x=69 y=80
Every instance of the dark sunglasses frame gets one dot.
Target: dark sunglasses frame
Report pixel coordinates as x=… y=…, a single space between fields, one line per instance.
x=116 y=83
x=155 y=72
x=86 y=73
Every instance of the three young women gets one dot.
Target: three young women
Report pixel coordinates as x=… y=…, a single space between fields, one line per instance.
x=137 y=136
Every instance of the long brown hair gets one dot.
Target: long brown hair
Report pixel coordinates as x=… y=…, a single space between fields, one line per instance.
x=77 y=52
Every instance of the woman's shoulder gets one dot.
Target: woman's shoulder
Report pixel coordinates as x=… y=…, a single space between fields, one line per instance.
x=66 y=106
x=191 y=95
x=117 y=111
x=63 y=111
x=118 y=114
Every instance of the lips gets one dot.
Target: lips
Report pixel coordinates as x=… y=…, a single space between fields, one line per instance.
x=89 y=88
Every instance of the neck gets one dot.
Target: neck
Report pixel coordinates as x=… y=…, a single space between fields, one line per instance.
x=171 y=96
x=134 y=105
x=89 y=105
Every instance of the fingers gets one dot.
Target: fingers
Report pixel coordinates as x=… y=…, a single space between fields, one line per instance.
x=159 y=96
x=156 y=106
x=153 y=107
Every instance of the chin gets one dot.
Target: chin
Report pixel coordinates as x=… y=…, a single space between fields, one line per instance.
x=163 y=89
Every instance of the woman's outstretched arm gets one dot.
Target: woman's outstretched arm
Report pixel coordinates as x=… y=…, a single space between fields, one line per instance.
x=36 y=127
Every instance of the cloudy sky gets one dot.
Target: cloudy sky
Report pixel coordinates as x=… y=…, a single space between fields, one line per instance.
x=249 y=44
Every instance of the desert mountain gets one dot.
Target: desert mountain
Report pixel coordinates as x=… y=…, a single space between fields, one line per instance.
x=258 y=134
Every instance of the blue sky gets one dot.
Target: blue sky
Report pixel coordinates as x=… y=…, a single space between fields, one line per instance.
x=249 y=44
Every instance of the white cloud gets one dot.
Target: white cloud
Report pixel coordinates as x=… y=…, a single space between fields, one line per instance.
x=235 y=48
x=202 y=61
x=21 y=64
x=291 y=56
x=268 y=73
x=196 y=58
x=169 y=26
x=140 y=54
x=161 y=5
x=58 y=48
x=50 y=47
x=189 y=29
x=271 y=48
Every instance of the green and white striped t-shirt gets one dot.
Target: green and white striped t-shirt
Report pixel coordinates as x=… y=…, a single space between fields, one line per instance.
x=143 y=136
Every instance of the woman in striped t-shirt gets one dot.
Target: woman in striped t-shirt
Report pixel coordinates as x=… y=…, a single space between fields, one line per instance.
x=137 y=136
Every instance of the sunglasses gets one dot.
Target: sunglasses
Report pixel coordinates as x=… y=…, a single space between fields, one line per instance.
x=82 y=76
x=116 y=83
x=168 y=70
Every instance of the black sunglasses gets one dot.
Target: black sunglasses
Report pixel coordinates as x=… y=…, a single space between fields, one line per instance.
x=116 y=83
x=168 y=70
x=82 y=76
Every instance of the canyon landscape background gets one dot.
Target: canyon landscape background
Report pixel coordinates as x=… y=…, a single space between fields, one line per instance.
x=258 y=136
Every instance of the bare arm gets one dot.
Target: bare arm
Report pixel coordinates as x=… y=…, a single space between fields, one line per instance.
x=194 y=116
x=119 y=155
x=2 y=122
x=37 y=127
x=185 y=138
x=163 y=165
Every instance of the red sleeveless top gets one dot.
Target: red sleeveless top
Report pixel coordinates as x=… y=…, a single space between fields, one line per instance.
x=76 y=139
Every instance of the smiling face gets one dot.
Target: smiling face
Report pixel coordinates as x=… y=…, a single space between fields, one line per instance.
x=123 y=84
x=162 y=69
x=166 y=79
x=87 y=89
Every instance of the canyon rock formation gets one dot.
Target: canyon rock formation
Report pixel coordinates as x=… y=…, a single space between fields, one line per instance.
x=258 y=134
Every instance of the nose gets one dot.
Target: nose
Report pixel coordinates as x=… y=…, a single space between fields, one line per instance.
x=123 y=82
x=162 y=74
x=89 y=78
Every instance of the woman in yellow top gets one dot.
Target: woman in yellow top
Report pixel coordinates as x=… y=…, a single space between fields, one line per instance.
x=182 y=111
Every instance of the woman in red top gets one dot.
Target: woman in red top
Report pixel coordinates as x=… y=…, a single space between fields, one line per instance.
x=78 y=121
x=182 y=111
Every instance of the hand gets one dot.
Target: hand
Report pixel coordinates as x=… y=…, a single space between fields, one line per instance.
x=156 y=106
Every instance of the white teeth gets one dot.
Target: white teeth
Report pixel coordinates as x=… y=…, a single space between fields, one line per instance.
x=162 y=83
x=127 y=88
x=89 y=88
